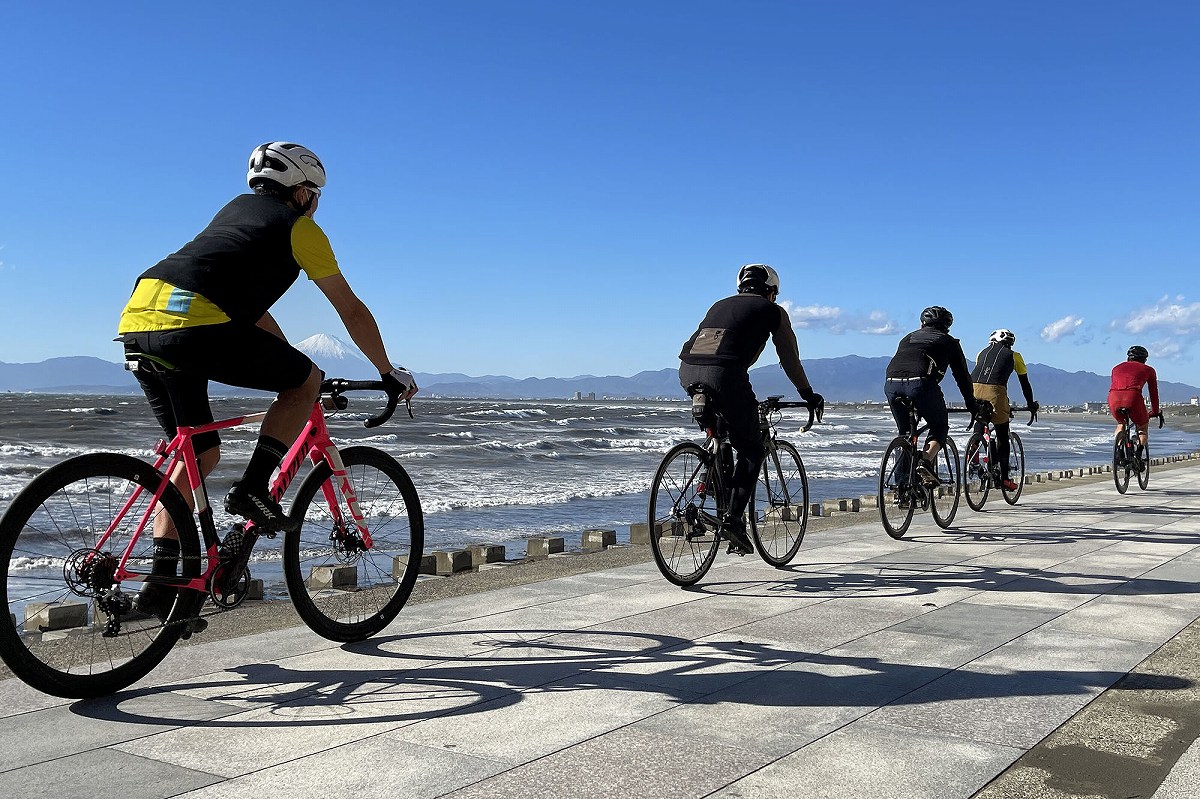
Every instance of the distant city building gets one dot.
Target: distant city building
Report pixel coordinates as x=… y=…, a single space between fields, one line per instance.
x=1195 y=400
x=578 y=395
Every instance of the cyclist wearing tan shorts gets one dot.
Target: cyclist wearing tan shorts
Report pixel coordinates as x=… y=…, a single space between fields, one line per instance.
x=994 y=366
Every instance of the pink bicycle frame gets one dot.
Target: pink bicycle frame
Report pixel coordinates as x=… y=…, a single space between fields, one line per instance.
x=313 y=441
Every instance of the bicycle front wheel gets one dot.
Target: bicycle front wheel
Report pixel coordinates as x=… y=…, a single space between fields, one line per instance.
x=76 y=634
x=1143 y=475
x=342 y=589
x=683 y=514
x=944 y=502
x=1016 y=468
x=1120 y=463
x=779 y=506
x=898 y=493
x=977 y=476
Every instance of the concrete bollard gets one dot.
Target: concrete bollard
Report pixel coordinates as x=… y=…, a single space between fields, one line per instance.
x=831 y=506
x=340 y=578
x=485 y=553
x=255 y=589
x=544 y=547
x=639 y=533
x=596 y=540
x=814 y=509
x=452 y=561
x=400 y=564
x=868 y=501
x=47 y=616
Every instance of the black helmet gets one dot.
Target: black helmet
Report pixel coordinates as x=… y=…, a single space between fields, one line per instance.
x=1137 y=353
x=937 y=316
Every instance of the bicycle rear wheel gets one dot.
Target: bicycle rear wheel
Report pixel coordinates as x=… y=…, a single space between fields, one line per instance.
x=1016 y=468
x=898 y=493
x=343 y=591
x=779 y=507
x=76 y=633
x=683 y=514
x=1120 y=463
x=944 y=497
x=977 y=476
x=1143 y=475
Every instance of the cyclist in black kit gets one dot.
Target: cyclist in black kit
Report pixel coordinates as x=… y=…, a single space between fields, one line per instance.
x=916 y=370
x=719 y=355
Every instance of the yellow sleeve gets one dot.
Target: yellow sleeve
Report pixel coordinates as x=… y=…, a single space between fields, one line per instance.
x=1019 y=363
x=310 y=248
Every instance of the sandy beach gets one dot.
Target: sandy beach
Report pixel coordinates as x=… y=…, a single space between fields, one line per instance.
x=1174 y=417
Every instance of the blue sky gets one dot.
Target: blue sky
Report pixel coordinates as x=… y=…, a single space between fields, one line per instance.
x=559 y=188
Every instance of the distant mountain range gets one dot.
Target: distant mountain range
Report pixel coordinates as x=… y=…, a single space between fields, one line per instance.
x=850 y=378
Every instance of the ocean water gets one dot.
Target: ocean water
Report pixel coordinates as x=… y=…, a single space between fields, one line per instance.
x=502 y=471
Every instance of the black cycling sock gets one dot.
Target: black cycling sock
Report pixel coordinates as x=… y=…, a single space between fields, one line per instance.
x=166 y=557
x=268 y=454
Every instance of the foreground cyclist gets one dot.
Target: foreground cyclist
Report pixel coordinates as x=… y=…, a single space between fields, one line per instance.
x=915 y=372
x=205 y=311
x=719 y=355
x=1128 y=379
x=994 y=366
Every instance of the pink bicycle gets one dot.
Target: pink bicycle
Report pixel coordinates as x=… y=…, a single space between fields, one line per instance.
x=76 y=544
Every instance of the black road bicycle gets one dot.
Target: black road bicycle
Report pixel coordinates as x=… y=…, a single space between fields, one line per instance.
x=981 y=459
x=1130 y=455
x=692 y=487
x=902 y=492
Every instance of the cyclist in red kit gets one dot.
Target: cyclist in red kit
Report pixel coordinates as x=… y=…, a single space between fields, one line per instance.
x=1126 y=391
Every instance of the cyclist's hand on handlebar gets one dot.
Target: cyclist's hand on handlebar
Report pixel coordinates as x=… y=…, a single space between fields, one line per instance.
x=1161 y=421
x=399 y=383
x=815 y=401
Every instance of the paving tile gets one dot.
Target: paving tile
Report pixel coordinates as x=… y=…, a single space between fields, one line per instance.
x=373 y=768
x=650 y=764
x=870 y=760
x=101 y=772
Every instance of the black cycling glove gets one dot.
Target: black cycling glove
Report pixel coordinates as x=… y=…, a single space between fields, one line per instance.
x=815 y=401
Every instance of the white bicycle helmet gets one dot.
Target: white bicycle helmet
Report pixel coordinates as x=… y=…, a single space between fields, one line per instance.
x=756 y=277
x=285 y=163
x=1003 y=336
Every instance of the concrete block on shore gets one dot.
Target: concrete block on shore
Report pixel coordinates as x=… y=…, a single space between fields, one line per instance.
x=400 y=564
x=831 y=506
x=544 y=547
x=639 y=533
x=452 y=561
x=340 y=578
x=868 y=501
x=255 y=589
x=596 y=540
x=485 y=553
x=814 y=509
x=47 y=616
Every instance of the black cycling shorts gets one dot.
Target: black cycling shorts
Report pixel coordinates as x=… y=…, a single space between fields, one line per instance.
x=233 y=353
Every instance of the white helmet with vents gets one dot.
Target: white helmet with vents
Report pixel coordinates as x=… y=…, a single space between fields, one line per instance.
x=287 y=164
x=1003 y=336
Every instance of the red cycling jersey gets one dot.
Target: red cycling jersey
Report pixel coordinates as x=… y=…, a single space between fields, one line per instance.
x=1128 y=378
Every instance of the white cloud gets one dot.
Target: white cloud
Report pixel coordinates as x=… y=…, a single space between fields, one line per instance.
x=1167 y=314
x=1063 y=327
x=836 y=320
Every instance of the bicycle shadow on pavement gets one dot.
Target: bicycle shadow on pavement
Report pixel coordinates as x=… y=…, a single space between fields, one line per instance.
x=550 y=661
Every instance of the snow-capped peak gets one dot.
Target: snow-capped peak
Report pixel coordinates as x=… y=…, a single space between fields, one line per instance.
x=323 y=346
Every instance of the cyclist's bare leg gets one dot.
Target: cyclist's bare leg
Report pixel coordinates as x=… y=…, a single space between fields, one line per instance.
x=291 y=409
x=931 y=449
x=207 y=461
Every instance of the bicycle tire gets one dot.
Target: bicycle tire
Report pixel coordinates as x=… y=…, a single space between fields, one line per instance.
x=896 y=494
x=683 y=514
x=778 y=508
x=45 y=537
x=943 y=501
x=977 y=476
x=1143 y=476
x=1120 y=463
x=1016 y=468
x=334 y=603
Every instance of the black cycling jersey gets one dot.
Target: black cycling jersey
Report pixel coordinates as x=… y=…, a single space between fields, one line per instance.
x=734 y=332
x=995 y=365
x=242 y=262
x=929 y=352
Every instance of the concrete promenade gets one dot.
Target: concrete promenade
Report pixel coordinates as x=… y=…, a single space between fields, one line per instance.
x=949 y=664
